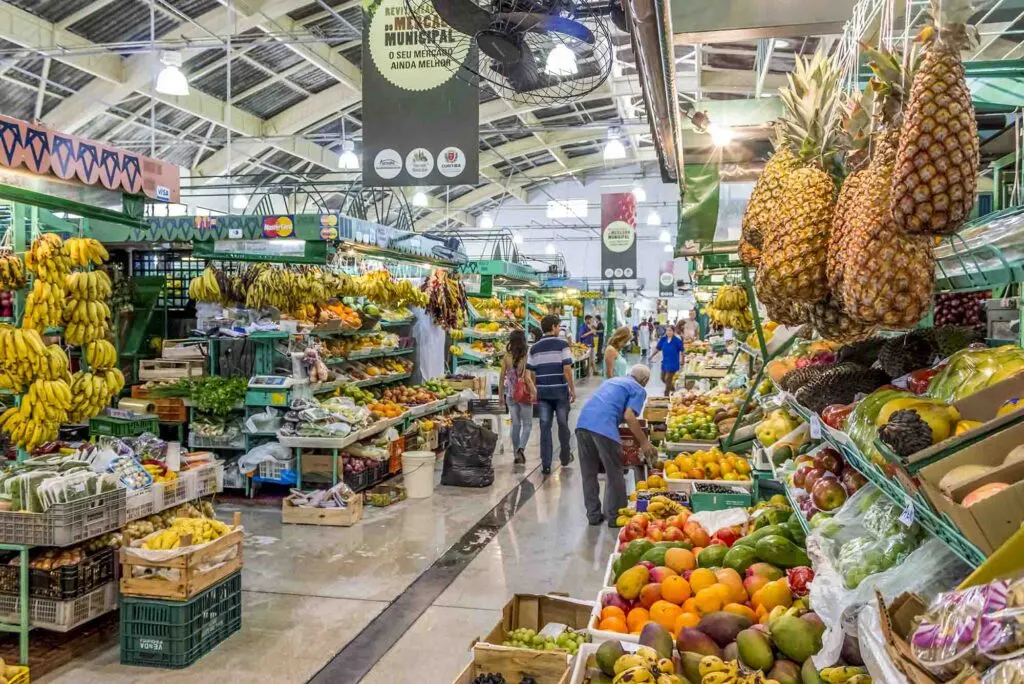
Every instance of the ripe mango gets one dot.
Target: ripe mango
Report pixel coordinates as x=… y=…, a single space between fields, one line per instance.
x=631 y=582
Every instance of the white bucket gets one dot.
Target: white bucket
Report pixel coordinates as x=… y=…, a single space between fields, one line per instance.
x=418 y=473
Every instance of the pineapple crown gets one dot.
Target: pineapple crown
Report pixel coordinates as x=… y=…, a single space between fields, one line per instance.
x=810 y=103
x=892 y=75
x=949 y=20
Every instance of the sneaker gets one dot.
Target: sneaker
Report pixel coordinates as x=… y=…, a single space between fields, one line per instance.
x=520 y=458
x=598 y=521
x=546 y=470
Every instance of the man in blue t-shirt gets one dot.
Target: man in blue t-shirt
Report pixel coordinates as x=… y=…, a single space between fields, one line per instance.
x=672 y=347
x=597 y=434
x=550 y=363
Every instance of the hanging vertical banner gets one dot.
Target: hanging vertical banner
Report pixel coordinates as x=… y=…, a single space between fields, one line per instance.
x=667 y=279
x=618 y=236
x=421 y=115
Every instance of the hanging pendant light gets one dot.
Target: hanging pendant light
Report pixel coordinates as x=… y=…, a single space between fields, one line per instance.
x=614 y=149
x=486 y=222
x=171 y=81
x=639 y=193
x=419 y=199
x=240 y=202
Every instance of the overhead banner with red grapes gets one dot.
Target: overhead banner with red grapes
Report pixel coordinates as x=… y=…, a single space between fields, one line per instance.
x=618 y=236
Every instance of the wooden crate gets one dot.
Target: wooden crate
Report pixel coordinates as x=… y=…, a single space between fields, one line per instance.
x=165 y=369
x=191 y=579
x=334 y=517
x=184 y=350
x=471 y=672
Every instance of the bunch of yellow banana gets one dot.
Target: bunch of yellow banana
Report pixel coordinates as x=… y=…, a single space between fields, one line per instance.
x=55 y=364
x=644 y=665
x=86 y=311
x=47 y=260
x=204 y=288
x=845 y=675
x=21 y=353
x=101 y=354
x=714 y=670
x=85 y=251
x=80 y=335
x=741 y=320
x=47 y=401
x=662 y=507
x=92 y=392
x=731 y=298
x=44 y=307
x=12 y=271
x=199 y=531
x=25 y=430
x=90 y=286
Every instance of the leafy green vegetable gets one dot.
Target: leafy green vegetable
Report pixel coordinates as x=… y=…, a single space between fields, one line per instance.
x=212 y=394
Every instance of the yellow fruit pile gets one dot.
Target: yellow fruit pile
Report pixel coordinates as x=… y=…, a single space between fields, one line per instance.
x=12 y=271
x=38 y=419
x=92 y=392
x=86 y=314
x=201 y=531
x=101 y=355
x=85 y=251
x=708 y=465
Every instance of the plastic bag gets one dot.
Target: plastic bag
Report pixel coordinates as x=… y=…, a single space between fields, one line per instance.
x=872 y=647
x=972 y=370
x=270 y=451
x=946 y=639
x=467 y=461
x=268 y=420
x=1009 y=672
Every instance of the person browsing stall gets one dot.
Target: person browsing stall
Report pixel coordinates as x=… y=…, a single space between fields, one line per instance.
x=671 y=347
x=550 y=365
x=597 y=434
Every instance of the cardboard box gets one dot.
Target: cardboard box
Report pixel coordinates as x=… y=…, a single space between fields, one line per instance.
x=990 y=522
x=471 y=672
x=320 y=464
x=532 y=612
x=897 y=623
x=980 y=406
x=334 y=517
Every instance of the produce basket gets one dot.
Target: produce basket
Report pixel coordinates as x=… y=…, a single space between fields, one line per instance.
x=105 y=426
x=141 y=502
x=65 y=523
x=385 y=495
x=335 y=517
x=174 y=635
x=205 y=480
x=180 y=574
x=64 y=583
x=171 y=493
x=275 y=470
x=598 y=636
x=196 y=441
x=61 y=616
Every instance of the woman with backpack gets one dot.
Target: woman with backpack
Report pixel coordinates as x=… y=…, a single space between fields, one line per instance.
x=518 y=393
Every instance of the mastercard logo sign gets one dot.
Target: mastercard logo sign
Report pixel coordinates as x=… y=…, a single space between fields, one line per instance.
x=278 y=227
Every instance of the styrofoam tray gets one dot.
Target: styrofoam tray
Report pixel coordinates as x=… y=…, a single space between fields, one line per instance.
x=597 y=635
x=609 y=574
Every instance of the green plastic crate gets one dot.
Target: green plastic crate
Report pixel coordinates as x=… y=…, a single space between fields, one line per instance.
x=172 y=634
x=105 y=426
x=264 y=397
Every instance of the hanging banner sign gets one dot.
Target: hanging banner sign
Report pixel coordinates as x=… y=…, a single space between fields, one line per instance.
x=667 y=279
x=618 y=236
x=421 y=116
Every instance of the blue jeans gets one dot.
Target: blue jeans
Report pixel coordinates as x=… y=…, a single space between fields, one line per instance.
x=553 y=407
x=522 y=422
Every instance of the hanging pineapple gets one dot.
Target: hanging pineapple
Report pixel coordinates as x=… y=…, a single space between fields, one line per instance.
x=765 y=201
x=937 y=168
x=793 y=251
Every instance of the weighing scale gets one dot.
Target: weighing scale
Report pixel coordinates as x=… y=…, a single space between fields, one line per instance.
x=272 y=382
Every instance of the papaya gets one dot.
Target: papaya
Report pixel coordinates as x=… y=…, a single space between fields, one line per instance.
x=752 y=538
x=739 y=558
x=633 y=552
x=712 y=556
x=673 y=545
x=655 y=555
x=780 y=552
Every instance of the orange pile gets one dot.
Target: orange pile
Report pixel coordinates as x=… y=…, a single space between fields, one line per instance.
x=385 y=409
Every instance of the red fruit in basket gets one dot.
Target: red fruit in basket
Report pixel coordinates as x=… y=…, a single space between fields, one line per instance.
x=828 y=494
x=829 y=459
x=800 y=474
x=647 y=564
x=799 y=578
x=834 y=415
x=852 y=480
x=918 y=381
x=812 y=476
x=726 y=536
x=674 y=534
x=641 y=521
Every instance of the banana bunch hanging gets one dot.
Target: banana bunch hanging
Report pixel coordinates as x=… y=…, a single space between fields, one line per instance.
x=12 y=271
x=204 y=288
x=38 y=419
x=85 y=251
x=21 y=355
x=93 y=391
x=86 y=313
x=47 y=260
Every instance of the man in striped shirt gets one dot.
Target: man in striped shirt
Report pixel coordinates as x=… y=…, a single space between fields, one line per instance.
x=550 y=363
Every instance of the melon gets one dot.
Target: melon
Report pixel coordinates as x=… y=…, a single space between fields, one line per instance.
x=1016 y=455
x=961 y=474
x=983 y=492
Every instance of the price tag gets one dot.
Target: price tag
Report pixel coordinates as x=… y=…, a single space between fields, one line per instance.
x=907 y=516
x=815 y=426
x=80 y=487
x=727 y=334
x=780 y=398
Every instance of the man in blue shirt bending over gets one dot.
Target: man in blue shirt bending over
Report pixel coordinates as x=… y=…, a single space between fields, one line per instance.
x=597 y=435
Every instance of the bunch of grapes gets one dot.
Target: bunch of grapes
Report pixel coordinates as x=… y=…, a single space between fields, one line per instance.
x=569 y=640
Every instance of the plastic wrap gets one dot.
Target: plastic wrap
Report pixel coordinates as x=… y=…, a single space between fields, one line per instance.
x=975 y=368
x=1009 y=672
x=270 y=451
x=467 y=461
x=946 y=640
x=872 y=647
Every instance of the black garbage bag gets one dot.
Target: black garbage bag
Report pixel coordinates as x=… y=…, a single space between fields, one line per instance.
x=467 y=461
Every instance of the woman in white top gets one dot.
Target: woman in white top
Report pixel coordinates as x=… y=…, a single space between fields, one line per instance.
x=644 y=334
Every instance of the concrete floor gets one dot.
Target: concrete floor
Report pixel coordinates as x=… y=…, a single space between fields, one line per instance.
x=307 y=591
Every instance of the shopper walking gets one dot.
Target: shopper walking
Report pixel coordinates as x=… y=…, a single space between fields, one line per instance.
x=599 y=329
x=671 y=347
x=644 y=339
x=586 y=334
x=550 y=366
x=597 y=433
x=614 y=356
x=518 y=393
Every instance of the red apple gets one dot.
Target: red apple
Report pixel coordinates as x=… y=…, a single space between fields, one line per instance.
x=656 y=525
x=813 y=475
x=674 y=534
x=852 y=480
x=829 y=459
x=828 y=494
x=727 y=536
x=640 y=520
x=800 y=474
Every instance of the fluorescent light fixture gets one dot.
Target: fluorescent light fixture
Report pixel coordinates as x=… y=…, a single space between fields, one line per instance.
x=664 y=237
x=614 y=149
x=668 y=248
x=486 y=222
x=653 y=218
x=68 y=216
x=171 y=81
x=781 y=43
x=419 y=199
x=550 y=248
x=721 y=135
x=639 y=193
x=348 y=160
x=240 y=201
x=561 y=62
x=517 y=237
